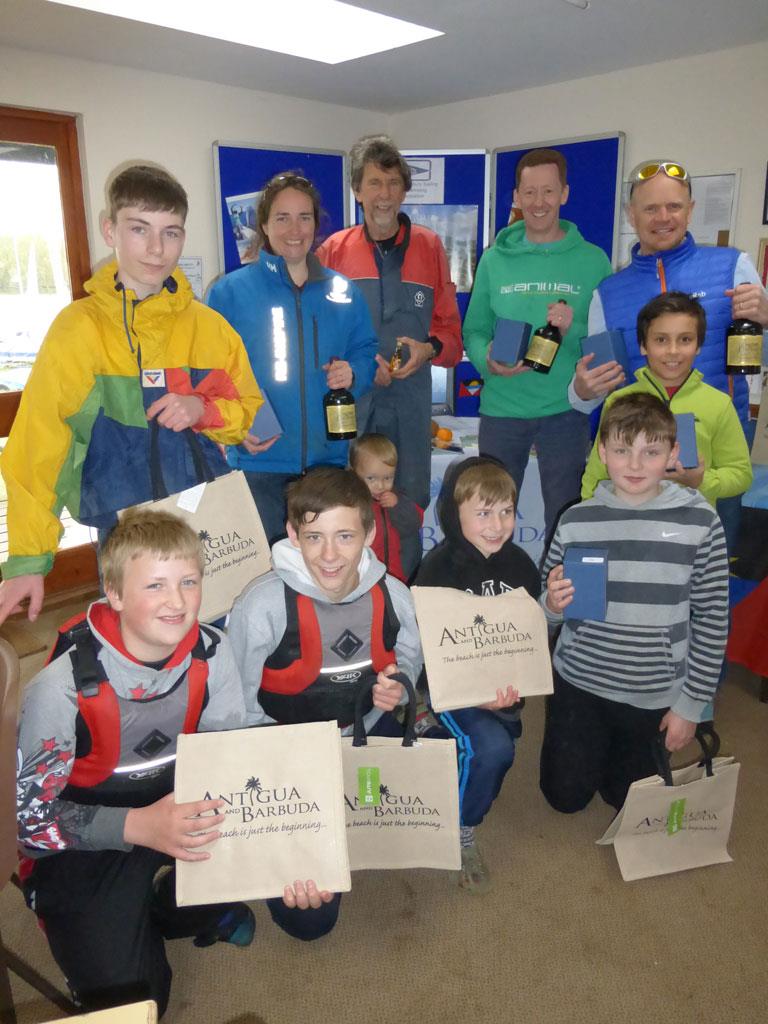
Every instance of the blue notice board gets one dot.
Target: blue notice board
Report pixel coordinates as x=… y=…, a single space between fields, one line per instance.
x=242 y=170
x=595 y=167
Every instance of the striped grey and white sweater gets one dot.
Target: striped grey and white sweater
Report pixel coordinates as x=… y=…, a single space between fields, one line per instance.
x=663 y=640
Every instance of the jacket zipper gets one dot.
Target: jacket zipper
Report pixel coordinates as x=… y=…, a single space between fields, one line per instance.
x=662 y=274
x=667 y=398
x=315 y=342
x=302 y=378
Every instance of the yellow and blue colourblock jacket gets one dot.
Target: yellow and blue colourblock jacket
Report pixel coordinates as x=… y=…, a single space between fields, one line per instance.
x=81 y=438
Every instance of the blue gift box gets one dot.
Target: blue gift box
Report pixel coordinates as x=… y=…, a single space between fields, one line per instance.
x=686 y=438
x=265 y=423
x=510 y=340
x=608 y=346
x=587 y=569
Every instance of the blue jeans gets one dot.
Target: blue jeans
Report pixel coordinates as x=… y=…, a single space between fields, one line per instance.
x=562 y=447
x=268 y=490
x=485 y=746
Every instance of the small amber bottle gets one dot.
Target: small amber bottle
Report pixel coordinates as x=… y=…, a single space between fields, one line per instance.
x=396 y=359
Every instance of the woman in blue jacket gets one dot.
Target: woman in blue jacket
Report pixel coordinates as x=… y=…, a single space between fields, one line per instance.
x=306 y=329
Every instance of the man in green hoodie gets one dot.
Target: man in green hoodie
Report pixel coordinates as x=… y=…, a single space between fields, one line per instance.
x=534 y=266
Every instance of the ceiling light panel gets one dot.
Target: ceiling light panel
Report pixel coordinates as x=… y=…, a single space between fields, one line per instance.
x=321 y=30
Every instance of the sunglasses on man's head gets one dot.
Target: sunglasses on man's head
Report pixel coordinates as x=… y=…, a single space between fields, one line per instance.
x=648 y=170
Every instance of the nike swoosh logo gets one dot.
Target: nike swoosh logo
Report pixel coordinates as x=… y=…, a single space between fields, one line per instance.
x=665 y=534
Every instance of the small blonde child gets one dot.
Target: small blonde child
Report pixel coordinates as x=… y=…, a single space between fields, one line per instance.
x=397 y=542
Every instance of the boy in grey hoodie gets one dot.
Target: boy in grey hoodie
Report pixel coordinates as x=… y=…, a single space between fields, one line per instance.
x=653 y=664
x=97 y=819
x=308 y=636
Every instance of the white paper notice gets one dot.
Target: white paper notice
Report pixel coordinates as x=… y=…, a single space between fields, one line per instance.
x=714 y=195
x=191 y=498
x=427 y=179
x=192 y=268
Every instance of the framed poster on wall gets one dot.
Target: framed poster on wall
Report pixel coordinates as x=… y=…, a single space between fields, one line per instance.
x=240 y=172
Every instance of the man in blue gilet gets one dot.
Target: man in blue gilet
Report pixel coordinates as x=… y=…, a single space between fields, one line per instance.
x=665 y=258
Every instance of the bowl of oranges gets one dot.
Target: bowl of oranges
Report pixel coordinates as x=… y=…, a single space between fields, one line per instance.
x=442 y=437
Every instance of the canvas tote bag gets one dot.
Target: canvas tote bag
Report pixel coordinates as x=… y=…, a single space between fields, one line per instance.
x=221 y=510
x=133 y=1013
x=284 y=809
x=678 y=819
x=475 y=645
x=401 y=796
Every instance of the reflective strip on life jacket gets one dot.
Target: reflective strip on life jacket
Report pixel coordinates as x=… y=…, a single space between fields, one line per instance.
x=302 y=640
x=101 y=716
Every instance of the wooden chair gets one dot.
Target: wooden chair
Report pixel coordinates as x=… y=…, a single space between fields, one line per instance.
x=9 y=702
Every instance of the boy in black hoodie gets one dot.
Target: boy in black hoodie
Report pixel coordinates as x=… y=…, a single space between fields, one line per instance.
x=476 y=510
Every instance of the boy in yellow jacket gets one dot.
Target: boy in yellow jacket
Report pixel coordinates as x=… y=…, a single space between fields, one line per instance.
x=131 y=384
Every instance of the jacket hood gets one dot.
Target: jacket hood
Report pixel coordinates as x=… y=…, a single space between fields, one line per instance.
x=448 y=512
x=671 y=495
x=288 y=563
x=512 y=241
x=175 y=295
x=105 y=626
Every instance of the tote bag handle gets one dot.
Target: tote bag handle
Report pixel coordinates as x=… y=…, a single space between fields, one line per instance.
x=709 y=742
x=359 y=737
x=203 y=471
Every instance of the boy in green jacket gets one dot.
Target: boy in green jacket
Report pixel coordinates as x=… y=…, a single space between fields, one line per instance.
x=670 y=330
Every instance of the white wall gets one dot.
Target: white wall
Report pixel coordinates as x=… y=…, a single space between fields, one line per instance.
x=709 y=112
x=128 y=114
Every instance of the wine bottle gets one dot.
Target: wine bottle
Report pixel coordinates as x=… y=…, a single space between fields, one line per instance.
x=340 y=414
x=544 y=346
x=743 y=347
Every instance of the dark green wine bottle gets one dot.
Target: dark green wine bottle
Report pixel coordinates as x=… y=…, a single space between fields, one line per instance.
x=543 y=347
x=340 y=413
x=743 y=347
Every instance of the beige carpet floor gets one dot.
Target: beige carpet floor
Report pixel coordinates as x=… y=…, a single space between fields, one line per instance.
x=560 y=938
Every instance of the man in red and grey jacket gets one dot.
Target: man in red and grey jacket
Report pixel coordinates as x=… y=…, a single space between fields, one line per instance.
x=403 y=273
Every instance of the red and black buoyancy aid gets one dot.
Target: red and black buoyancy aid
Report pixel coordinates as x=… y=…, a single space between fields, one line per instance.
x=125 y=750
x=312 y=677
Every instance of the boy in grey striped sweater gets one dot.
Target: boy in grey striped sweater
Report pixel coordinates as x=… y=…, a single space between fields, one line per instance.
x=653 y=664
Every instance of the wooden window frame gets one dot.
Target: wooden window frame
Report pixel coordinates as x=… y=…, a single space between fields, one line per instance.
x=73 y=567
